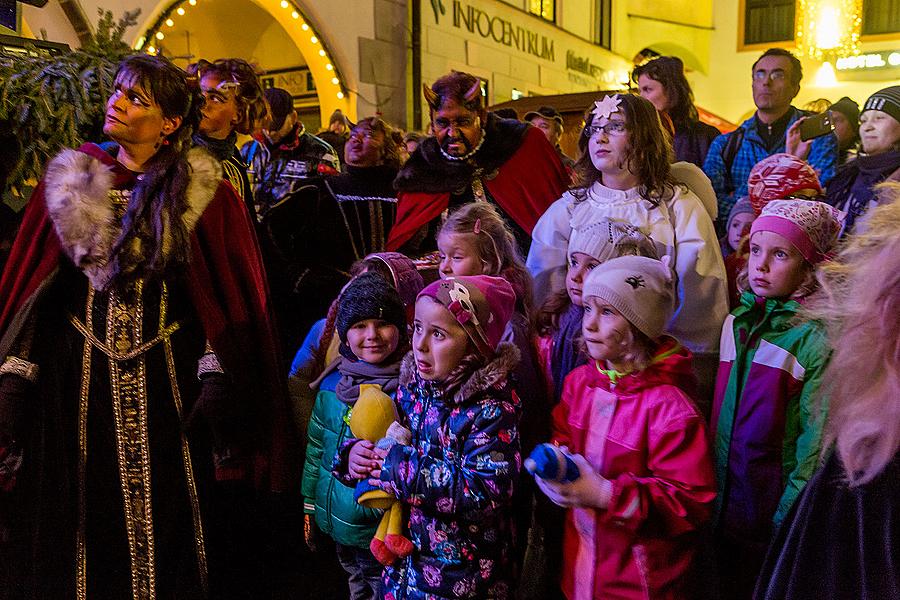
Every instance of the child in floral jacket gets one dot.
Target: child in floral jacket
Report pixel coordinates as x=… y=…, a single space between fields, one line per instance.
x=457 y=475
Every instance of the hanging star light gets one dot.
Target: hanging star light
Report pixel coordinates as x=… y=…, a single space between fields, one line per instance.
x=829 y=29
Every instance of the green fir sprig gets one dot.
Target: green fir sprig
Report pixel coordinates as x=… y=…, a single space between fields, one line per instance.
x=58 y=101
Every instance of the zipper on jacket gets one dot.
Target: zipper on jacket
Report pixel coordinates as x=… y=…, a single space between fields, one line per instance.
x=331 y=477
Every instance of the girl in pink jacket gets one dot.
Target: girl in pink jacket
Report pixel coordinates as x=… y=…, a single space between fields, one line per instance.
x=646 y=480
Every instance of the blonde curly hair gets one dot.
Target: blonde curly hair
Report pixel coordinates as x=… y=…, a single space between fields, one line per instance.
x=859 y=305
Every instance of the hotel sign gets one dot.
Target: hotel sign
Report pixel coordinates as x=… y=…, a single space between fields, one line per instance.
x=870 y=61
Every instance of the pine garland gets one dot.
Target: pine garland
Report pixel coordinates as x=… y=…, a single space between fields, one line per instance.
x=55 y=102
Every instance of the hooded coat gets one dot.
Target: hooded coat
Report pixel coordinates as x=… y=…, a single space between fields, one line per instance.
x=457 y=477
x=645 y=435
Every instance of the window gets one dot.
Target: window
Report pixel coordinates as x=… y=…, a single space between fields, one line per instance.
x=546 y=9
x=880 y=16
x=767 y=21
x=603 y=24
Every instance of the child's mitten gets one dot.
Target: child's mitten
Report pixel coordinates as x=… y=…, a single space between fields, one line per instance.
x=552 y=463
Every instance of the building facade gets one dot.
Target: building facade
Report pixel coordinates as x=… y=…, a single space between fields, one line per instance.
x=372 y=56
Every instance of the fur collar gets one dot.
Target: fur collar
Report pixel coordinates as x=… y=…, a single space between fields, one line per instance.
x=428 y=171
x=77 y=187
x=495 y=372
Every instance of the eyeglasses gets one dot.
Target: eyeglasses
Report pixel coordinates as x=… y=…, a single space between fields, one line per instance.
x=776 y=75
x=611 y=128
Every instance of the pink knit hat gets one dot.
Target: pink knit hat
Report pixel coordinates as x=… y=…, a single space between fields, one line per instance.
x=482 y=304
x=778 y=176
x=812 y=227
x=407 y=278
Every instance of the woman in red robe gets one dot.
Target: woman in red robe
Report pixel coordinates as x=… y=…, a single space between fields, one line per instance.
x=139 y=363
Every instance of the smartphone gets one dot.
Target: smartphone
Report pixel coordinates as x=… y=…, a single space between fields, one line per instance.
x=816 y=126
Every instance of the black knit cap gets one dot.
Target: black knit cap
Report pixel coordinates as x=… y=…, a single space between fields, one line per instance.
x=281 y=104
x=849 y=109
x=886 y=100
x=370 y=296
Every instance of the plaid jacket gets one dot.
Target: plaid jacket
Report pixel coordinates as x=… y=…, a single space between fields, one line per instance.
x=822 y=156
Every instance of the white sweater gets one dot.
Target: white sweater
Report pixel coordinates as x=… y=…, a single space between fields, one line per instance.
x=680 y=228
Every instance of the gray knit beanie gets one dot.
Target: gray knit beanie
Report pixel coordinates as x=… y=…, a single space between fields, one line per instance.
x=638 y=287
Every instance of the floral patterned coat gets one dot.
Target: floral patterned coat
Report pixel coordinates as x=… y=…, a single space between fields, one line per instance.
x=457 y=478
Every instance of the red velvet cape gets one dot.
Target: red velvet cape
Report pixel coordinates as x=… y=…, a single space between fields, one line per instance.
x=228 y=288
x=525 y=186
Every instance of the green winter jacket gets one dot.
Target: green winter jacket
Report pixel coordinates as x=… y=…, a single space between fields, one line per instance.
x=767 y=416
x=337 y=513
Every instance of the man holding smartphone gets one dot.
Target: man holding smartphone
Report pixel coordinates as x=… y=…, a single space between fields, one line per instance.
x=773 y=128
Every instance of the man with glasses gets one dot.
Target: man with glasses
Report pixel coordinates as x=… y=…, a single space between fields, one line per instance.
x=776 y=82
x=473 y=156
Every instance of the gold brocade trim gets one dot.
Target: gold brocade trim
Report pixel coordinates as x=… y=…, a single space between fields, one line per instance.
x=478 y=185
x=118 y=354
x=185 y=448
x=81 y=548
x=128 y=383
x=233 y=176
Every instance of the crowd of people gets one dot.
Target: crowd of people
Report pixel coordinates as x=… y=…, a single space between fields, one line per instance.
x=363 y=335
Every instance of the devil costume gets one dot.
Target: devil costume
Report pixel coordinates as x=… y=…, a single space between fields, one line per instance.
x=515 y=168
x=122 y=399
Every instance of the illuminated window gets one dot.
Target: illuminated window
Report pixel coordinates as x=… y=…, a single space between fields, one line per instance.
x=880 y=16
x=603 y=23
x=546 y=9
x=767 y=21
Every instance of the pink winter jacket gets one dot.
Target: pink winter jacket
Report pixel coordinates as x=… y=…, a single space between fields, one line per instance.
x=645 y=435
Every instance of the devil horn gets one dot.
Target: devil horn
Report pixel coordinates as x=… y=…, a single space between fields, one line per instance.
x=431 y=97
x=474 y=92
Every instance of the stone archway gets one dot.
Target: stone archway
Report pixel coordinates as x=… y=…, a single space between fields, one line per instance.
x=331 y=87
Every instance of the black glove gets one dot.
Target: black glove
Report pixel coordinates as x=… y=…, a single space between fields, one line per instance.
x=14 y=393
x=217 y=407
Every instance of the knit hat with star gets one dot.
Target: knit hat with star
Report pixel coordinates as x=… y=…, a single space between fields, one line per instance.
x=605 y=239
x=778 y=177
x=640 y=288
x=812 y=227
x=482 y=304
x=369 y=296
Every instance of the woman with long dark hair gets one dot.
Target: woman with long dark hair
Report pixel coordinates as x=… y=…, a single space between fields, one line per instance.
x=140 y=365
x=662 y=82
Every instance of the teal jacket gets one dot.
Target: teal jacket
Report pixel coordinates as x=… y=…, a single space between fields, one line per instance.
x=767 y=416
x=337 y=513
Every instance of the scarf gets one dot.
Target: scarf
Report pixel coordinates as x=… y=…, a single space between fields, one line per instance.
x=221 y=149
x=872 y=170
x=566 y=354
x=354 y=373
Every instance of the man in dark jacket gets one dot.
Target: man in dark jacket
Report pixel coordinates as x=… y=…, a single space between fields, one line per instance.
x=285 y=157
x=233 y=104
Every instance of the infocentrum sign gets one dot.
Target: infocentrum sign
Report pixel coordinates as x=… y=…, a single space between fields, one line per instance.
x=502 y=31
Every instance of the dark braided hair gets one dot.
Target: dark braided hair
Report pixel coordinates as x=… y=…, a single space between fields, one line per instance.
x=153 y=236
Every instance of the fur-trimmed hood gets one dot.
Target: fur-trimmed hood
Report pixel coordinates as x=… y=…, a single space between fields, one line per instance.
x=77 y=189
x=428 y=171
x=495 y=372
